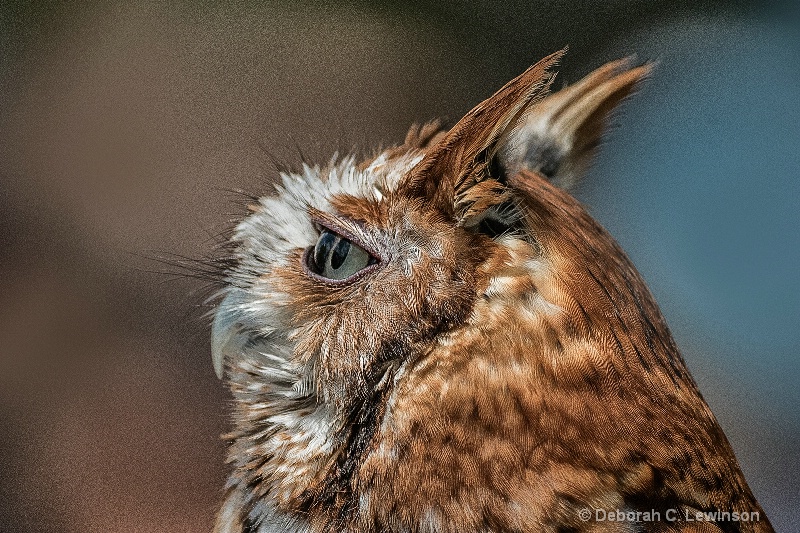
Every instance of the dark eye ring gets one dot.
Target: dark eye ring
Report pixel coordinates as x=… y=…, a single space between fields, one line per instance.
x=335 y=258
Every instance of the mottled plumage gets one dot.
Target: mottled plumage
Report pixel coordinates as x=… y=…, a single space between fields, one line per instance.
x=441 y=339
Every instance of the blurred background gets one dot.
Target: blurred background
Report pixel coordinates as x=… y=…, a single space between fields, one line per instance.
x=122 y=126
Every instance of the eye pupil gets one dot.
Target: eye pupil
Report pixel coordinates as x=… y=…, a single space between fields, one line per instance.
x=340 y=253
x=323 y=249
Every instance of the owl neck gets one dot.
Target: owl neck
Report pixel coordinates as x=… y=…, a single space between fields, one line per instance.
x=603 y=296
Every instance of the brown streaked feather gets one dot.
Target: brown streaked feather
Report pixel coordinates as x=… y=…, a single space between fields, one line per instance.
x=419 y=137
x=423 y=136
x=478 y=198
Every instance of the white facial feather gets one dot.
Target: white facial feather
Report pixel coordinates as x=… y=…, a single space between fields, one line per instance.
x=251 y=304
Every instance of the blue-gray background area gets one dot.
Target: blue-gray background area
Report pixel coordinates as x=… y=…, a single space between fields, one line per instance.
x=124 y=125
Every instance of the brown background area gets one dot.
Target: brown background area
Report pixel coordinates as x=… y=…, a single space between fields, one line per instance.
x=122 y=126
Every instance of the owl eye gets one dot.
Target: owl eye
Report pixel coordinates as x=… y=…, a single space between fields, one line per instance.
x=336 y=258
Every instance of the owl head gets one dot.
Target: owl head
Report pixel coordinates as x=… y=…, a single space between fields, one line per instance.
x=350 y=269
x=432 y=296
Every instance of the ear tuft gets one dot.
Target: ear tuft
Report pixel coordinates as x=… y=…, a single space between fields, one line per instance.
x=459 y=159
x=465 y=172
x=557 y=136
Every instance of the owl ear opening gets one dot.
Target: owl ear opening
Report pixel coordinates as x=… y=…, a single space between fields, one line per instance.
x=520 y=128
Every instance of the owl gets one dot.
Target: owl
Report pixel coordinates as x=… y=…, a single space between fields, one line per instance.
x=439 y=338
